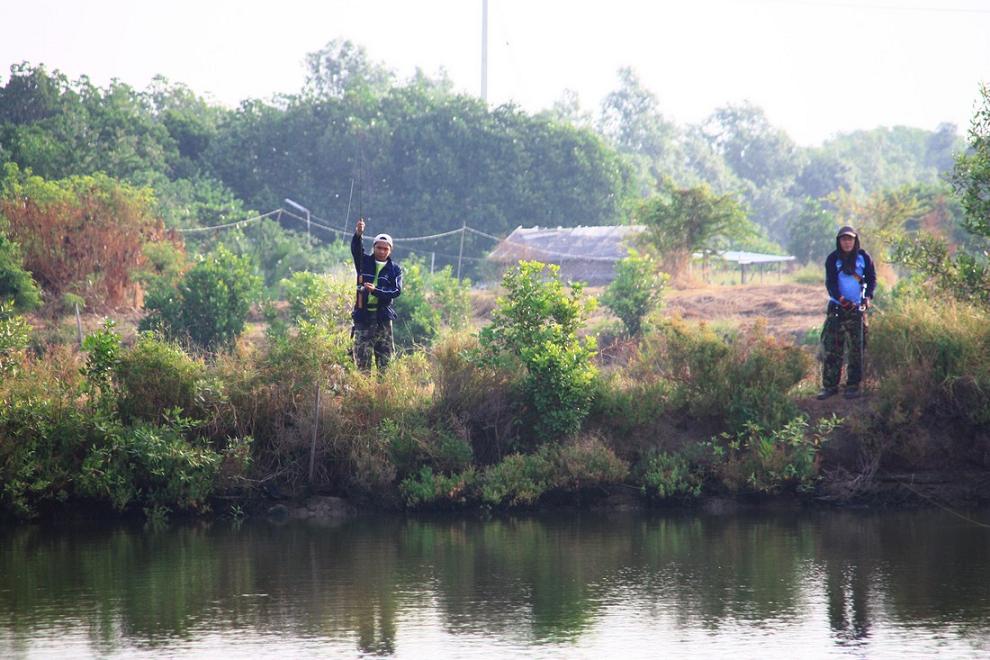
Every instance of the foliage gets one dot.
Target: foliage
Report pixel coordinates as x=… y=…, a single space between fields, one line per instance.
x=280 y=252
x=664 y=476
x=480 y=397
x=730 y=380
x=210 y=305
x=14 y=334
x=429 y=488
x=769 y=461
x=518 y=480
x=811 y=232
x=82 y=234
x=150 y=465
x=103 y=356
x=536 y=322
x=429 y=301
x=16 y=283
x=963 y=276
x=680 y=221
x=971 y=176
x=636 y=290
x=931 y=358
x=155 y=376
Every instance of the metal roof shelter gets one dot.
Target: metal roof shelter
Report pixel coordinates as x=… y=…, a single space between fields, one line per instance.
x=587 y=254
x=751 y=258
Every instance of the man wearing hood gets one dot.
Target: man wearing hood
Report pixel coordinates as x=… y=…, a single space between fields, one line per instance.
x=850 y=279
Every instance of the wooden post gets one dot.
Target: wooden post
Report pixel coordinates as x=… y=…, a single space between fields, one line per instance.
x=79 y=333
x=316 y=429
x=460 y=254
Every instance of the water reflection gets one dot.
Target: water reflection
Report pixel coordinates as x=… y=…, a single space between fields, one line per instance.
x=568 y=583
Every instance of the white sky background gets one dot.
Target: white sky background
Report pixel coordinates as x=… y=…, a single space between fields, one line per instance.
x=817 y=67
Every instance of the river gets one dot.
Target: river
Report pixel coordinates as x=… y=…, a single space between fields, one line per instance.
x=842 y=584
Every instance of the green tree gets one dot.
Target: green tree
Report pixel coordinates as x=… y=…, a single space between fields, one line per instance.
x=636 y=290
x=536 y=324
x=811 y=231
x=679 y=221
x=210 y=305
x=342 y=67
x=971 y=176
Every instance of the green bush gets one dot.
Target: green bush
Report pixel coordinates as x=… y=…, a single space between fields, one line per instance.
x=636 y=290
x=729 y=380
x=14 y=335
x=428 y=488
x=479 y=397
x=536 y=324
x=429 y=303
x=155 y=376
x=150 y=465
x=663 y=475
x=587 y=463
x=517 y=480
x=931 y=358
x=15 y=282
x=210 y=305
x=770 y=461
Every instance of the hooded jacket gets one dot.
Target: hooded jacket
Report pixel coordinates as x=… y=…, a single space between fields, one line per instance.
x=851 y=286
x=387 y=289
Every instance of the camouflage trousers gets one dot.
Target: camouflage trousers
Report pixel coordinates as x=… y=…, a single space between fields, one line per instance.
x=373 y=340
x=844 y=335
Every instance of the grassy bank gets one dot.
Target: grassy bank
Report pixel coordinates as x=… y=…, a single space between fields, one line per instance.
x=498 y=421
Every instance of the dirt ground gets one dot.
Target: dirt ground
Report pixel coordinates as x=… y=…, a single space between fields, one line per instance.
x=788 y=309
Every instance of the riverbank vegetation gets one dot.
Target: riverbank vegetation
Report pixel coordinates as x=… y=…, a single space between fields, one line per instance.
x=492 y=402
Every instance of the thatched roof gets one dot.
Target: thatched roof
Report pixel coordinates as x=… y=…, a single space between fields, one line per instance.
x=583 y=253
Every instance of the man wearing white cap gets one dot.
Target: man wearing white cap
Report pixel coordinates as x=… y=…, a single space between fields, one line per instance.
x=379 y=283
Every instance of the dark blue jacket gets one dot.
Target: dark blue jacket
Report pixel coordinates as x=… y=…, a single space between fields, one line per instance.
x=387 y=289
x=867 y=278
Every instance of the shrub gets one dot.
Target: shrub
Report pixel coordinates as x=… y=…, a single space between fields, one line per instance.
x=14 y=335
x=428 y=488
x=931 y=358
x=151 y=466
x=587 y=463
x=103 y=356
x=731 y=380
x=429 y=302
x=317 y=298
x=536 y=323
x=81 y=234
x=519 y=479
x=663 y=476
x=636 y=290
x=476 y=397
x=211 y=303
x=155 y=376
x=769 y=461
x=15 y=282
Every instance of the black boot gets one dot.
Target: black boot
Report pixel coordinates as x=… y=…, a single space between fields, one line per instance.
x=827 y=392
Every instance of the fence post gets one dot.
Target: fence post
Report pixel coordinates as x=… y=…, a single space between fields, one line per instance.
x=460 y=254
x=316 y=428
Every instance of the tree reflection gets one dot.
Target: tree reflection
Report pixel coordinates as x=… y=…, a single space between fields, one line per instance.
x=531 y=580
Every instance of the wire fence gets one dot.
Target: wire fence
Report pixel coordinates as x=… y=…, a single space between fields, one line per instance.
x=319 y=223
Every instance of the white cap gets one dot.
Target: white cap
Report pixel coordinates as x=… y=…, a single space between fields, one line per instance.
x=384 y=238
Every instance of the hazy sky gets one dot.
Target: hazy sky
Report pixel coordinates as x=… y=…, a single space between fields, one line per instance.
x=817 y=67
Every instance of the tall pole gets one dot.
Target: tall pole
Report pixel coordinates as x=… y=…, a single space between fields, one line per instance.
x=484 y=50
x=460 y=254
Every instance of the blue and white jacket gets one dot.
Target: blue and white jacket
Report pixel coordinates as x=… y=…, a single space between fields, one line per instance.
x=850 y=287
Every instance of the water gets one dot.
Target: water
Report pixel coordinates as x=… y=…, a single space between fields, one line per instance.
x=807 y=584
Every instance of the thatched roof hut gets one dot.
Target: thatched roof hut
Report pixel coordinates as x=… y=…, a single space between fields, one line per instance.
x=586 y=254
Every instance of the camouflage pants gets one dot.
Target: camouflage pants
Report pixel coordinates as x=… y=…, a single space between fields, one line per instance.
x=373 y=340
x=844 y=335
